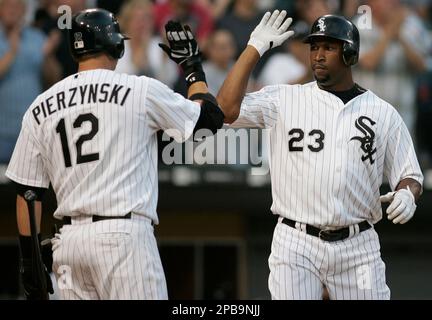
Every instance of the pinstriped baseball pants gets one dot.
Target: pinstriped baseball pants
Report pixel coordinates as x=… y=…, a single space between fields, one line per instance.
x=350 y=269
x=109 y=259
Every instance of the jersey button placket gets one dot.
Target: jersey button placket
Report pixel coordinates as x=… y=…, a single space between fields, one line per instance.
x=339 y=155
x=339 y=158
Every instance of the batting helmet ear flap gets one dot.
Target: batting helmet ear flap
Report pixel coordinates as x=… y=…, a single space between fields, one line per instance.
x=350 y=54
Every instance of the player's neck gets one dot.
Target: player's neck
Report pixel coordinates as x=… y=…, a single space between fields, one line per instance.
x=337 y=88
x=97 y=62
x=344 y=85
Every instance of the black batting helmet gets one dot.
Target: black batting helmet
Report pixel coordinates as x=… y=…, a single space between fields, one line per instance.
x=94 y=31
x=338 y=27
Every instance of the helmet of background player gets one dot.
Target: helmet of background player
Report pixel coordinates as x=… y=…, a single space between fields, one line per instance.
x=94 y=31
x=339 y=28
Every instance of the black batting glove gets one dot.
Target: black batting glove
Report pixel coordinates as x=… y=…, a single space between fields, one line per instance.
x=29 y=272
x=32 y=287
x=183 y=50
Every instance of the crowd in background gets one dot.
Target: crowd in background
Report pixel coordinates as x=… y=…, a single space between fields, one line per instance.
x=395 y=55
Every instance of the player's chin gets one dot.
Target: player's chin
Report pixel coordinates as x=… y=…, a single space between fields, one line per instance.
x=321 y=75
x=322 y=79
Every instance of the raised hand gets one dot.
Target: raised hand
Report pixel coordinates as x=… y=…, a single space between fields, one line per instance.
x=182 y=43
x=271 y=31
x=183 y=49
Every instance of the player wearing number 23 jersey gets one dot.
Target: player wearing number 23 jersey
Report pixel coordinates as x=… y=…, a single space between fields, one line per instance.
x=332 y=144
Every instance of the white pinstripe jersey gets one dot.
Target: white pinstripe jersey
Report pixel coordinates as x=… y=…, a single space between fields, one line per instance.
x=93 y=136
x=328 y=159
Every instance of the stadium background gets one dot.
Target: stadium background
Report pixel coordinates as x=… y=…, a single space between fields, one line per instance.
x=215 y=224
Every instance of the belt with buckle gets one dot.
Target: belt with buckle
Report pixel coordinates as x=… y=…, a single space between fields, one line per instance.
x=329 y=235
x=68 y=220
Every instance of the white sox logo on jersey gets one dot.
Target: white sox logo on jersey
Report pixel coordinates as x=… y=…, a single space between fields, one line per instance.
x=367 y=142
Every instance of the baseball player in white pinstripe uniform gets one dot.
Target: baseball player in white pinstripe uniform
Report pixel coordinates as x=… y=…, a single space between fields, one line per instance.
x=331 y=145
x=93 y=137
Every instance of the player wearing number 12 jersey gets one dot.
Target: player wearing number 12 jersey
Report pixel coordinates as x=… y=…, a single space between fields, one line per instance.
x=93 y=137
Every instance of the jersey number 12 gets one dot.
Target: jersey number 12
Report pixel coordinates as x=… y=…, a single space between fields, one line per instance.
x=81 y=158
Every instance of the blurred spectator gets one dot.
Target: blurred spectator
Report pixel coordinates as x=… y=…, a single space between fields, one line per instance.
x=392 y=53
x=291 y=66
x=43 y=13
x=288 y=5
x=46 y=20
x=188 y=12
x=25 y=57
x=218 y=8
x=267 y=5
x=349 y=8
x=111 y=5
x=241 y=22
x=424 y=120
x=310 y=10
x=31 y=6
x=142 y=54
x=423 y=8
x=221 y=56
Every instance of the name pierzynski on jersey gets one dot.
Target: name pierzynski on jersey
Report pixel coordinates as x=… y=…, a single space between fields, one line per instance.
x=81 y=95
x=368 y=140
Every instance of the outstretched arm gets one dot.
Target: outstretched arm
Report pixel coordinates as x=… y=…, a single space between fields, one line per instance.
x=270 y=33
x=231 y=93
x=183 y=49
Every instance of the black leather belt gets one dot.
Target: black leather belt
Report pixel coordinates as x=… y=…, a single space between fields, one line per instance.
x=329 y=235
x=68 y=220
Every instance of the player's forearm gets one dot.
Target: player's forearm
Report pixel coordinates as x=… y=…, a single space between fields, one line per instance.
x=197 y=87
x=415 y=187
x=23 y=220
x=231 y=94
